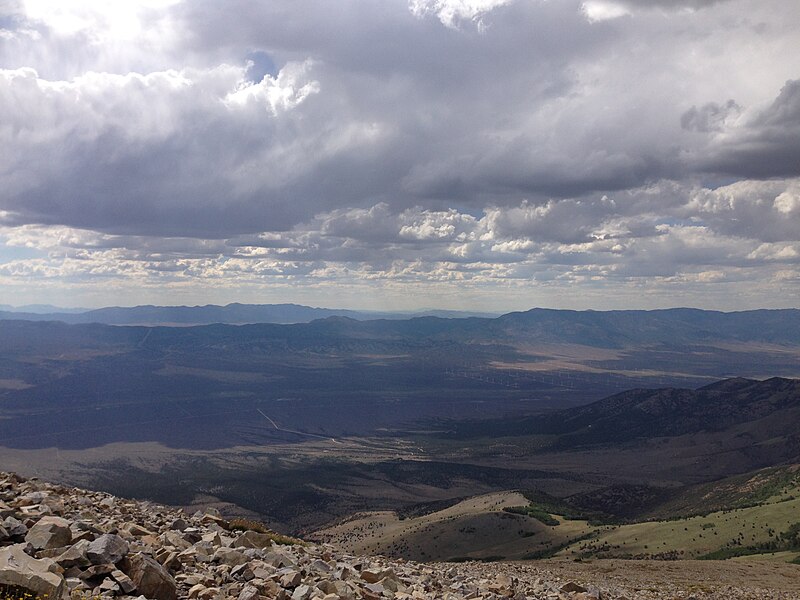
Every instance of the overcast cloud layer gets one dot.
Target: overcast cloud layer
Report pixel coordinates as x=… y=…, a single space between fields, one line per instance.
x=489 y=154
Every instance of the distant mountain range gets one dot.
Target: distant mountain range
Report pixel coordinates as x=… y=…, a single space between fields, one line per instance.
x=762 y=412
x=604 y=329
x=235 y=314
x=621 y=328
x=40 y=309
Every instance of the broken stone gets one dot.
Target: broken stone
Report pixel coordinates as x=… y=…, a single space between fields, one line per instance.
x=150 y=578
x=108 y=548
x=302 y=592
x=242 y=571
x=572 y=587
x=291 y=579
x=109 y=585
x=74 y=556
x=96 y=571
x=229 y=557
x=125 y=583
x=14 y=527
x=38 y=576
x=253 y=539
x=371 y=576
x=249 y=592
x=134 y=530
x=49 y=532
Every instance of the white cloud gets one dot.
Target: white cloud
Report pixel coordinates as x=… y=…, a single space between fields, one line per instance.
x=600 y=10
x=453 y=12
x=103 y=20
x=284 y=92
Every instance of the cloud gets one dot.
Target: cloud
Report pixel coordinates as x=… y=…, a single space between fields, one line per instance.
x=765 y=145
x=765 y=211
x=710 y=117
x=453 y=12
x=432 y=140
x=622 y=237
x=170 y=152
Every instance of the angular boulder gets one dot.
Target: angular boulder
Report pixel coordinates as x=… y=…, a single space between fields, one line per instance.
x=48 y=533
x=253 y=539
x=74 y=556
x=125 y=582
x=14 y=527
x=150 y=578
x=109 y=548
x=37 y=576
x=249 y=592
x=572 y=587
x=229 y=557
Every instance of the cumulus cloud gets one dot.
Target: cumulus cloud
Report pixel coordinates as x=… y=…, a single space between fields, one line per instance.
x=483 y=141
x=452 y=12
x=710 y=117
x=625 y=238
x=765 y=145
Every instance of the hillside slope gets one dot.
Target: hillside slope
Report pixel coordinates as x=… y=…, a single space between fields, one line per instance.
x=769 y=409
x=57 y=542
x=757 y=515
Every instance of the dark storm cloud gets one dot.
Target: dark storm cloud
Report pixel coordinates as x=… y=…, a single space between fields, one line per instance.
x=710 y=117
x=768 y=145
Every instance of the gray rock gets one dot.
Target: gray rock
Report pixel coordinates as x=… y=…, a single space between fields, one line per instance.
x=6 y=510
x=108 y=548
x=48 y=533
x=291 y=579
x=249 y=592
x=321 y=566
x=38 y=576
x=125 y=582
x=302 y=592
x=377 y=588
x=74 y=583
x=572 y=587
x=14 y=527
x=179 y=525
x=74 y=556
x=109 y=585
x=253 y=539
x=243 y=571
x=229 y=557
x=150 y=578
x=96 y=571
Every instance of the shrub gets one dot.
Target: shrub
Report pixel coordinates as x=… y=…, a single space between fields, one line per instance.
x=535 y=512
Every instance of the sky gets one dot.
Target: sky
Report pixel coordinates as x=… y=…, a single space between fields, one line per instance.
x=401 y=154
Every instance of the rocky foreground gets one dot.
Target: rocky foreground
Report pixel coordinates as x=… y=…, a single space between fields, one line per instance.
x=60 y=542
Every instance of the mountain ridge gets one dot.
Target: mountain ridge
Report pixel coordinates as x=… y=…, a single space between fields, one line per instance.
x=768 y=408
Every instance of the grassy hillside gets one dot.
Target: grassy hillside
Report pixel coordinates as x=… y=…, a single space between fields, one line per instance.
x=478 y=528
x=761 y=518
